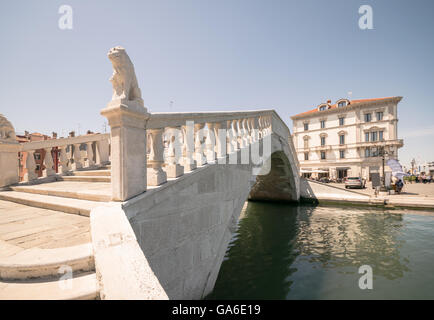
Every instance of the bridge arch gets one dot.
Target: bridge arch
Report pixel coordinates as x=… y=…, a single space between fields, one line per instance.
x=184 y=225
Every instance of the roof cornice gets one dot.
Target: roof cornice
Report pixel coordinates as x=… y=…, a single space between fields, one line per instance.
x=352 y=106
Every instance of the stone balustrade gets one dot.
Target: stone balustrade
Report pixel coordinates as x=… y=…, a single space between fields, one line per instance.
x=69 y=154
x=197 y=139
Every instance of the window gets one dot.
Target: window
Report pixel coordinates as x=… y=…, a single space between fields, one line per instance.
x=367 y=137
x=306 y=142
x=341 y=121
x=306 y=126
x=322 y=122
x=342 y=154
x=368 y=117
x=374 y=153
x=323 y=141
x=322 y=108
x=367 y=153
x=374 y=136
x=380 y=135
x=37 y=156
x=306 y=156
x=379 y=116
x=342 y=104
x=323 y=155
x=341 y=139
x=38 y=167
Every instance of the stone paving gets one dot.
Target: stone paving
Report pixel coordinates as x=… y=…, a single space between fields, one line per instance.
x=413 y=194
x=24 y=227
x=410 y=189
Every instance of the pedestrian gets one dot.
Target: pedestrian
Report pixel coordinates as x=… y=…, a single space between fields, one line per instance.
x=399 y=185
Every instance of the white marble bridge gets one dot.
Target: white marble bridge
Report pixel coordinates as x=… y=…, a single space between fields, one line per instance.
x=145 y=212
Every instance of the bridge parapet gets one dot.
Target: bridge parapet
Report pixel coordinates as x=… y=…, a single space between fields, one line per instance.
x=69 y=154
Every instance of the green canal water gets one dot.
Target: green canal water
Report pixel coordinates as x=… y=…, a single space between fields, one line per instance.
x=314 y=252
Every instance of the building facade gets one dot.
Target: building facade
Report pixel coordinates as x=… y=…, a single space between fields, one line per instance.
x=39 y=154
x=347 y=138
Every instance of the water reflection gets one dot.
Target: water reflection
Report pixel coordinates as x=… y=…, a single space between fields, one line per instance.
x=259 y=244
x=307 y=252
x=349 y=237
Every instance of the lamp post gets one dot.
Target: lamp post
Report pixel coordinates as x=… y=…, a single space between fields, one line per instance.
x=382 y=153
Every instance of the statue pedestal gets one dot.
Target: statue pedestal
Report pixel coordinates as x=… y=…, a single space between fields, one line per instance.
x=127 y=121
x=9 y=163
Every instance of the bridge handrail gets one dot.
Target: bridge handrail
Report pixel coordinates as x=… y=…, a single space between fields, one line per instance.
x=52 y=143
x=169 y=119
x=63 y=155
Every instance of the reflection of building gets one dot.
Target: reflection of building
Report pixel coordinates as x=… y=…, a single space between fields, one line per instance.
x=39 y=154
x=344 y=139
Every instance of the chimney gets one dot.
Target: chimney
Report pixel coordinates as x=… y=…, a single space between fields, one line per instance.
x=72 y=134
x=329 y=102
x=54 y=135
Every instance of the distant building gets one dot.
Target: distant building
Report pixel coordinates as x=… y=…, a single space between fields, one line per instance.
x=344 y=139
x=39 y=154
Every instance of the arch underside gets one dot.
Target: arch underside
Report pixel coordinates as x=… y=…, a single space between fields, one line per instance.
x=278 y=184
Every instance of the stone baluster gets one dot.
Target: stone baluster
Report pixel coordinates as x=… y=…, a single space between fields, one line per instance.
x=89 y=151
x=255 y=127
x=173 y=168
x=220 y=135
x=210 y=143
x=188 y=160
x=268 y=124
x=235 y=142
x=240 y=139
x=230 y=137
x=260 y=127
x=30 y=167
x=155 y=173
x=264 y=126
x=198 y=144
x=76 y=165
x=250 y=130
x=64 y=168
x=245 y=133
x=48 y=164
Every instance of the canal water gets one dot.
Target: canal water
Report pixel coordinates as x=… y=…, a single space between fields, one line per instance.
x=314 y=252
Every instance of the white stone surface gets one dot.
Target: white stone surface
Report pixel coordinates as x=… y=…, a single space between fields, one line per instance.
x=122 y=268
x=8 y=153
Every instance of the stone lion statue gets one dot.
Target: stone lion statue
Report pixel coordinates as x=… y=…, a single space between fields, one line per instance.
x=124 y=81
x=7 y=131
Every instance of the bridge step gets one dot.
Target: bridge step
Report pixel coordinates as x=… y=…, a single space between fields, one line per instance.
x=82 y=286
x=42 y=263
x=102 y=172
x=85 y=178
x=75 y=190
x=68 y=205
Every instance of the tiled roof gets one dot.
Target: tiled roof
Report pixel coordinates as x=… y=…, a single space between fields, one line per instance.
x=334 y=106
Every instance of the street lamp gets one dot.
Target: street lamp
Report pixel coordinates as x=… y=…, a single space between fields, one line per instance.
x=382 y=153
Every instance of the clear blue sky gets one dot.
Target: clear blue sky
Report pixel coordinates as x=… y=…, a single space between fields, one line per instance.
x=218 y=55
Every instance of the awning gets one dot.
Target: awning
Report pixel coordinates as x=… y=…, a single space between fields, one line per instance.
x=313 y=171
x=396 y=168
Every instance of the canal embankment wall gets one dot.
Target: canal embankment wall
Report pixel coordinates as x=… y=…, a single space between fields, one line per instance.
x=322 y=193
